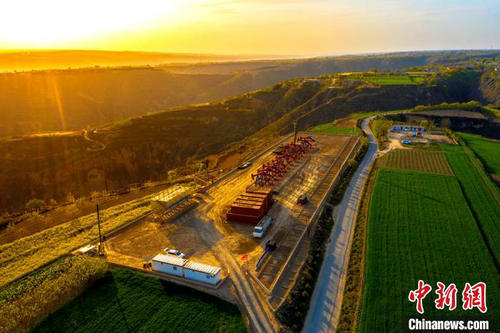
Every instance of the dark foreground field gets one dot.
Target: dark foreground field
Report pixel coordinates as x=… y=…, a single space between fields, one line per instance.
x=420 y=227
x=128 y=302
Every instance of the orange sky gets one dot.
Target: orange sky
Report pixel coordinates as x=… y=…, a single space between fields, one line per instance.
x=292 y=27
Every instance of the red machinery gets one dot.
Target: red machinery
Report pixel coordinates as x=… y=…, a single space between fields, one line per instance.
x=285 y=156
x=251 y=206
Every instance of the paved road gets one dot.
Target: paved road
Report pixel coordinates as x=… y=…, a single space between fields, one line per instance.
x=327 y=296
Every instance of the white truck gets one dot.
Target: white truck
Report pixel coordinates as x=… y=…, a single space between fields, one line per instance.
x=262 y=226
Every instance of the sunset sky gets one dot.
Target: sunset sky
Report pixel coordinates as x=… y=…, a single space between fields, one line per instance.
x=291 y=27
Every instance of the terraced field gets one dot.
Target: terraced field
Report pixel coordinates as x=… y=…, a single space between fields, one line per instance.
x=129 y=302
x=488 y=151
x=417 y=160
x=481 y=194
x=420 y=227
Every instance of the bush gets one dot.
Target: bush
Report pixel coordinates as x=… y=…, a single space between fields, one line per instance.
x=338 y=192
x=352 y=163
x=35 y=204
x=4 y=223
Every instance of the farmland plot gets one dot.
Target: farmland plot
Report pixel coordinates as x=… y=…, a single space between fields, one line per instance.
x=481 y=194
x=125 y=301
x=382 y=79
x=420 y=227
x=417 y=160
x=488 y=151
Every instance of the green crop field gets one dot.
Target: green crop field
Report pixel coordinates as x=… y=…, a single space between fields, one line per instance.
x=481 y=194
x=420 y=227
x=417 y=160
x=488 y=151
x=330 y=128
x=125 y=301
x=383 y=79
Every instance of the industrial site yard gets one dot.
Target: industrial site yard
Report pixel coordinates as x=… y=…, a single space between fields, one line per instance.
x=205 y=235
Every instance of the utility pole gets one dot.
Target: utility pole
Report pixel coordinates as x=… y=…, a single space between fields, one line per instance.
x=100 y=247
x=295 y=131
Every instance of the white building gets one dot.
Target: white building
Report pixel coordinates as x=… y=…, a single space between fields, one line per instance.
x=187 y=269
x=201 y=272
x=169 y=264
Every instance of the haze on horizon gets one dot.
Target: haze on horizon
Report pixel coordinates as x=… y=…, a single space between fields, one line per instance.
x=286 y=27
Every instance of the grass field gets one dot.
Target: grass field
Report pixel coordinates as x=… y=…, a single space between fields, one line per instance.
x=125 y=301
x=331 y=128
x=417 y=160
x=420 y=227
x=481 y=194
x=382 y=79
x=488 y=151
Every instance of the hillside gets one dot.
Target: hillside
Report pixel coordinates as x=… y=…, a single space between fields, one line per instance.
x=26 y=60
x=58 y=100
x=146 y=147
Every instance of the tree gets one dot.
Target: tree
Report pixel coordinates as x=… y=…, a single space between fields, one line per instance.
x=352 y=163
x=445 y=123
x=427 y=124
x=35 y=204
x=172 y=174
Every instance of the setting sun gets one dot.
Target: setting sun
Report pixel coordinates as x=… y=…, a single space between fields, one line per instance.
x=45 y=23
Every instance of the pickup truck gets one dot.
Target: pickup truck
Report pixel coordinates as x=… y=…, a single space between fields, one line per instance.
x=262 y=226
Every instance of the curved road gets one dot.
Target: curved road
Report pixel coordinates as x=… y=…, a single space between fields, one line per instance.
x=326 y=300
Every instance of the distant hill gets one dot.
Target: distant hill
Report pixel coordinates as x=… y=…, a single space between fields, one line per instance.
x=146 y=147
x=27 y=60
x=57 y=100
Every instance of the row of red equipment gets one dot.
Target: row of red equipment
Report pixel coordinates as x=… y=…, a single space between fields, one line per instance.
x=286 y=155
x=251 y=206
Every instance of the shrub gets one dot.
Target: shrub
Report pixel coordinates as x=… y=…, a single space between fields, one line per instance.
x=35 y=204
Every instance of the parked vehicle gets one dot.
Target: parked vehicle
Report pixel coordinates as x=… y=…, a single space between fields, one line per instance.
x=302 y=199
x=245 y=165
x=175 y=252
x=262 y=226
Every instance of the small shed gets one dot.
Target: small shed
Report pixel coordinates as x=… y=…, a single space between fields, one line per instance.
x=168 y=264
x=202 y=272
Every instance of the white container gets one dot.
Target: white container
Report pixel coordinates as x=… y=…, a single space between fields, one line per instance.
x=168 y=264
x=202 y=272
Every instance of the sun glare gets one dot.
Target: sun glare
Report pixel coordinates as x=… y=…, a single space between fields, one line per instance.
x=36 y=23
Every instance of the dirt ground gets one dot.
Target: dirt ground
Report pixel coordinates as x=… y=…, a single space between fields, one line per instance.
x=198 y=232
x=147 y=238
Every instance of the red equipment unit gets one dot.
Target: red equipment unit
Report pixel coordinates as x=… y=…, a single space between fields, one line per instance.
x=250 y=207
